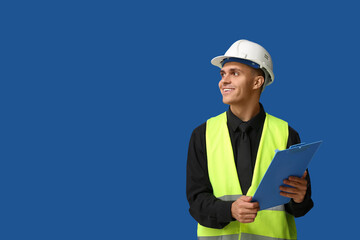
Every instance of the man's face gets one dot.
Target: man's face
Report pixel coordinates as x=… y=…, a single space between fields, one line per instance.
x=237 y=83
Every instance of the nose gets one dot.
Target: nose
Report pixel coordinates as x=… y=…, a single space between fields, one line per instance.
x=225 y=79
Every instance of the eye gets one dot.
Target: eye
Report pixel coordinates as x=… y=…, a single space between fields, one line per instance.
x=222 y=74
x=236 y=74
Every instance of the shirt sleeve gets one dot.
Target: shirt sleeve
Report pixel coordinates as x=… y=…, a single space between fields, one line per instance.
x=299 y=209
x=205 y=208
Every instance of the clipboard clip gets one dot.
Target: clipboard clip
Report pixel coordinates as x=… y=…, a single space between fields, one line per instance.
x=297 y=145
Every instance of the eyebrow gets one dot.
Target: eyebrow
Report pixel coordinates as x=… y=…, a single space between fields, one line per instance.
x=231 y=70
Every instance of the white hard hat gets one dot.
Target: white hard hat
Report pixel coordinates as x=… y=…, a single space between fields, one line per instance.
x=249 y=53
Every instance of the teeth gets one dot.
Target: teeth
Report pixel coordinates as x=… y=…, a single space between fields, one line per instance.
x=227 y=89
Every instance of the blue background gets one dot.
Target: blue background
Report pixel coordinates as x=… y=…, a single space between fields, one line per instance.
x=98 y=100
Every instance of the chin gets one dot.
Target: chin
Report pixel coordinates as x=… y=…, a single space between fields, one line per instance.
x=227 y=101
x=232 y=101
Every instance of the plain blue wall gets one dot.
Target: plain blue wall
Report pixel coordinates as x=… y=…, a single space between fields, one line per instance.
x=99 y=98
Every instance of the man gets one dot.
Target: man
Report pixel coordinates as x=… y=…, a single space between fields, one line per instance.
x=229 y=154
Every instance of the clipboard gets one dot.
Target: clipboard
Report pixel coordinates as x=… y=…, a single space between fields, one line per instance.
x=290 y=162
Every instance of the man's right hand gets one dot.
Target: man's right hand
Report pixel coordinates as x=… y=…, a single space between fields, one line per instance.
x=243 y=210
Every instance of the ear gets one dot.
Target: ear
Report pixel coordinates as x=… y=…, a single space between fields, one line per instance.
x=258 y=82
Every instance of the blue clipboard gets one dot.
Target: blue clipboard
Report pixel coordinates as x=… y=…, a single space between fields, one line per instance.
x=289 y=162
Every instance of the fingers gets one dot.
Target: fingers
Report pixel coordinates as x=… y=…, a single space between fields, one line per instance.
x=294 y=196
x=248 y=218
x=245 y=198
x=244 y=210
x=245 y=202
x=298 y=183
x=244 y=217
x=297 y=189
x=292 y=189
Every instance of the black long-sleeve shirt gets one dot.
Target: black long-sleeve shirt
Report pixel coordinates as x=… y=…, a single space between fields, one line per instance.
x=205 y=208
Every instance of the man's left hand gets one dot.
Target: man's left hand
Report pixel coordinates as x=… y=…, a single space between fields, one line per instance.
x=297 y=190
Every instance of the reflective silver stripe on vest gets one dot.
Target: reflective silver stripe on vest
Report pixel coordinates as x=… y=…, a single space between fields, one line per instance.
x=224 y=237
x=248 y=236
x=229 y=197
x=277 y=208
x=244 y=236
x=235 y=197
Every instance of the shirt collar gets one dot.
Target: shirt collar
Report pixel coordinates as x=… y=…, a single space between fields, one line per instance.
x=256 y=122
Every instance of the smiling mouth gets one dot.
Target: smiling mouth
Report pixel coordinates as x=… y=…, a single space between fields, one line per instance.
x=228 y=90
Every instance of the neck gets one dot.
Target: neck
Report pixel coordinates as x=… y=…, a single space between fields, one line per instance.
x=245 y=113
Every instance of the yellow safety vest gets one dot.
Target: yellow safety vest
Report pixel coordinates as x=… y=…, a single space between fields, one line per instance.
x=269 y=224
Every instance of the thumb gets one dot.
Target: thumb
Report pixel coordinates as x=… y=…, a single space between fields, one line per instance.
x=304 y=175
x=247 y=198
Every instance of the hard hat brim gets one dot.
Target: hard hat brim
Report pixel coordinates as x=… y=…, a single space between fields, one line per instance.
x=216 y=61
